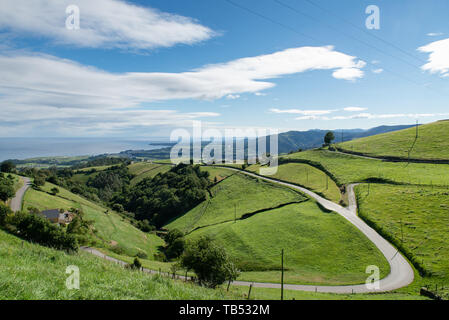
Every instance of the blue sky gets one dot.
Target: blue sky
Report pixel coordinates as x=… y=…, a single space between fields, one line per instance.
x=143 y=68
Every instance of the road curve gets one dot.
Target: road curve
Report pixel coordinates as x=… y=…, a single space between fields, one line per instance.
x=16 y=202
x=401 y=273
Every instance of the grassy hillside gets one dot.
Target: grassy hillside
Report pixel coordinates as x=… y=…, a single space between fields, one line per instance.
x=112 y=229
x=234 y=197
x=30 y=271
x=320 y=247
x=144 y=170
x=219 y=173
x=307 y=176
x=347 y=168
x=415 y=217
x=432 y=143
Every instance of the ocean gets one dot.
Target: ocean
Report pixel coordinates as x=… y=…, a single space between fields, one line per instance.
x=24 y=148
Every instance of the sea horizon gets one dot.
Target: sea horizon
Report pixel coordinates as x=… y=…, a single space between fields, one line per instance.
x=21 y=148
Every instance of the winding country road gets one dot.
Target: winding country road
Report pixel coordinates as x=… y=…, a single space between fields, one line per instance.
x=16 y=202
x=401 y=273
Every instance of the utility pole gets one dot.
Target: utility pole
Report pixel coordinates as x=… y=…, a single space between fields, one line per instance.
x=416 y=129
x=282 y=275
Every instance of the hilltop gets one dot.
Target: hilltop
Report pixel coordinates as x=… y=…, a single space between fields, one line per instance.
x=427 y=142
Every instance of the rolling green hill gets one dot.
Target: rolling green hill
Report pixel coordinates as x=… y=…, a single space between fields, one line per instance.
x=232 y=198
x=143 y=170
x=32 y=272
x=320 y=247
x=349 y=169
x=112 y=230
x=432 y=143
x=307 y=176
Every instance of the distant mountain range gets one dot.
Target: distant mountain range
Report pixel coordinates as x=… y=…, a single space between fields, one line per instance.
x=294 y=140
x=288 y=141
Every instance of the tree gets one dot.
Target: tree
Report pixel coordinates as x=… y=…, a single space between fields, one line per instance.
x=6 y=190
x=136 y=264
x=4 y=212
x=329 y=137
x=7 y=166
x=210 y=262
x=175 y=244
x=54 y=191
x=39 y=181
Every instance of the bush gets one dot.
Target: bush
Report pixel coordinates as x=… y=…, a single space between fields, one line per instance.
x=39 y=181
x=35 y=228
x=6 y=188
x=210 y=263
x=136 y=264
x=7 y=166
x=141 y=255
x=175 y=244
x=5 y=211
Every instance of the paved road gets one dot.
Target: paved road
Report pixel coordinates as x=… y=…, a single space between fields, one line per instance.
x=16 y=202
x=401 y=273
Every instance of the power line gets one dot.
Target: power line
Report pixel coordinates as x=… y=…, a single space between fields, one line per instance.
x=345 y=34
x=315 y=39
x=271 y=20
x=364 y=31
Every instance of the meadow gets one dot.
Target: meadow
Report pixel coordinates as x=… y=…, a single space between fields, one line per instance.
x=40 y=274
x=430 y=144
x=320 y=247
x=416 y=218
x=347 y=169
x=306 y=176
x=112 y=229
x=143 y=170
x=233 y=198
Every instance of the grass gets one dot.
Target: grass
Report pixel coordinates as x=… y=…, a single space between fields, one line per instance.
x=432 y=143
x=30 y=271
x=307 y=176
x=216 y=172
x=232 y=198
x=349 y=169
x=143 y=170
x=112 y=229
x=274 y=294
x=320 y=248
x=417 y=218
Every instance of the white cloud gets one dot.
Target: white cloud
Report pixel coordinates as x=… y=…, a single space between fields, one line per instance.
x=435 y=34
x=378 y=116
x=232 y=96
x=59 y=82
x=354 y=109
x=103 y=23
x=260 y=94
x=309 y=114
x=438 y=61
x=303 y=112
x=378 y=71
x=33 y=85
